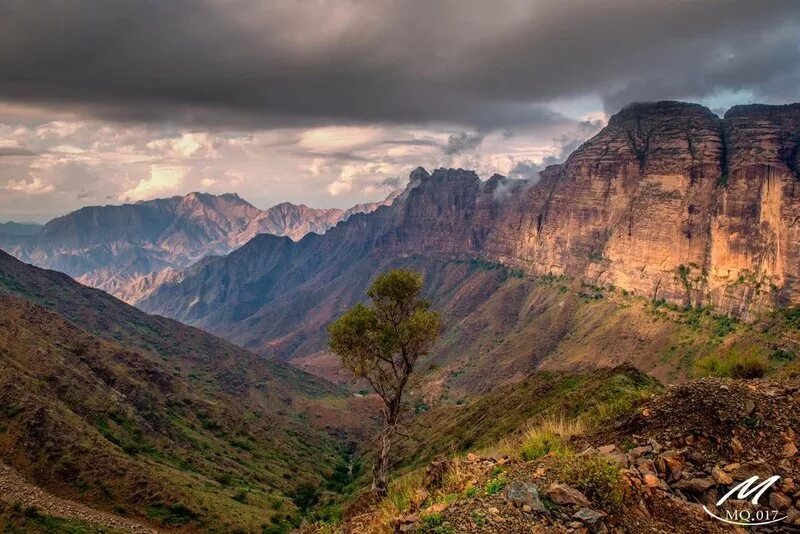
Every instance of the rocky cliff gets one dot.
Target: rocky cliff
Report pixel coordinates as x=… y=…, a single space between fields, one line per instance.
x=669 y=201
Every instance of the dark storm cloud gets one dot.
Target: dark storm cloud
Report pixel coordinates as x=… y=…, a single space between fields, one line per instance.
x=483 y=64
x=529 y=170
x=463 y=142
x=15 y=151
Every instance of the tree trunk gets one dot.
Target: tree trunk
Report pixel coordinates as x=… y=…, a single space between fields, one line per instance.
x=380 y=473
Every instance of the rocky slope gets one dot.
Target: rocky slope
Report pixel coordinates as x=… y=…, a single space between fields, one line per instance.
x=650 y=469
x=127 y=250
x=667 y=202
x=143 y=416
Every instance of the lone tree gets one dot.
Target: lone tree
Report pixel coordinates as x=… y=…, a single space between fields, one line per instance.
x=382 y=344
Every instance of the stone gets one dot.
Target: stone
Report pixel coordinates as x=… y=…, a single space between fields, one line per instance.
x=435 y=473
x=606 y=449
x=652 y=481
x=566 y=495
x=696 y=486
x=522 y=494
x=736 y=446
x=472 y=457
x=721 y=477
x=793 y=516
x=672 y=465
x=640 y=451
x=789 y=449
x=591 y=518
x=436 y=508
x=493 y=510
x=779 y=501
x=407 y=523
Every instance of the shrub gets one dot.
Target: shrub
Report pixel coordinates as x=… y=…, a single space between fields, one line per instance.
x=597 y=477
x=548 y=436
x=734 y=364
x=495 y=485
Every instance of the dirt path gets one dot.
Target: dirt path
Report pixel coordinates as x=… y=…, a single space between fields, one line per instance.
x=14 y=488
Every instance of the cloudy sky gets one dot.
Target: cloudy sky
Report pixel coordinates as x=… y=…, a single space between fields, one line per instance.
x=334 y=102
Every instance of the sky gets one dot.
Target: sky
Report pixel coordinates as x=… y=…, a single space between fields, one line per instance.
x=330 y=103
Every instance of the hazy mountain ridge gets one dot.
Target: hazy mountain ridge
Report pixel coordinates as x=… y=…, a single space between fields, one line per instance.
x=126 y=250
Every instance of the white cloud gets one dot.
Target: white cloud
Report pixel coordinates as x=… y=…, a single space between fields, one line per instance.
x=340 y=138
x=36 y=186
x=188 y=145
x=163 y=180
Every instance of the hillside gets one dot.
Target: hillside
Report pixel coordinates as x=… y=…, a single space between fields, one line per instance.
x=657 y=462
x=150 y=419
x=128 y=250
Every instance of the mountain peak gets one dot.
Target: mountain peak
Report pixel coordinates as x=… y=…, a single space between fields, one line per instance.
x=763 y=110
x=419 y=174
x=671 y=109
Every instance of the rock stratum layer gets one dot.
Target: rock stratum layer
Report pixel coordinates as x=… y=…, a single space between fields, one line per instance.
x=668 y=201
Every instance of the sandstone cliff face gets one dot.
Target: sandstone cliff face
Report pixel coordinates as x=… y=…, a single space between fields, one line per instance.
x=669 y=201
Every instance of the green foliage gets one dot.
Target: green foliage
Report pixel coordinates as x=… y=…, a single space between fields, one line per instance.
x=541 y=444
x=495 y=485
x=174 y=514
x=792 y=317
x=733 y=364
x=379 y=341
x=597 y=477
x=479 y=518
x=433 y=524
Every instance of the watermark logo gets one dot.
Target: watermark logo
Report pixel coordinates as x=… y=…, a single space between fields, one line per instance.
x=747 y=516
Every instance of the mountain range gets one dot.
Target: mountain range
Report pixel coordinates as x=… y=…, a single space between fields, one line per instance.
x=668 y=203
x=129 y=249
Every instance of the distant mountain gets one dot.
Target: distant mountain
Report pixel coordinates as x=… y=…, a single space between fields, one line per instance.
x=126 y=249
x=13 y=233
x=12 y=228
x=668 y=203
x=104 y=404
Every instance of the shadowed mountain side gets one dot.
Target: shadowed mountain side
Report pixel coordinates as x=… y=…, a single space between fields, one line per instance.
x=106 y=405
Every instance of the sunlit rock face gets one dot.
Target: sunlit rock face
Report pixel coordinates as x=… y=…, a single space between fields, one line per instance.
x=670 y=201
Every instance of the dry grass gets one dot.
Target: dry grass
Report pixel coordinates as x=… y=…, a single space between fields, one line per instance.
x=550 y=435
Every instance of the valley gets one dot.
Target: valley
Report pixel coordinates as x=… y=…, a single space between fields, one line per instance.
x=661 y=254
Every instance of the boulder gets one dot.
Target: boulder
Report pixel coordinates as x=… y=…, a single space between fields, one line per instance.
x=565 y=495
x=591 y=518
x=524 y=494
x=695 y=486
x=779 y=501
x=721 y=477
